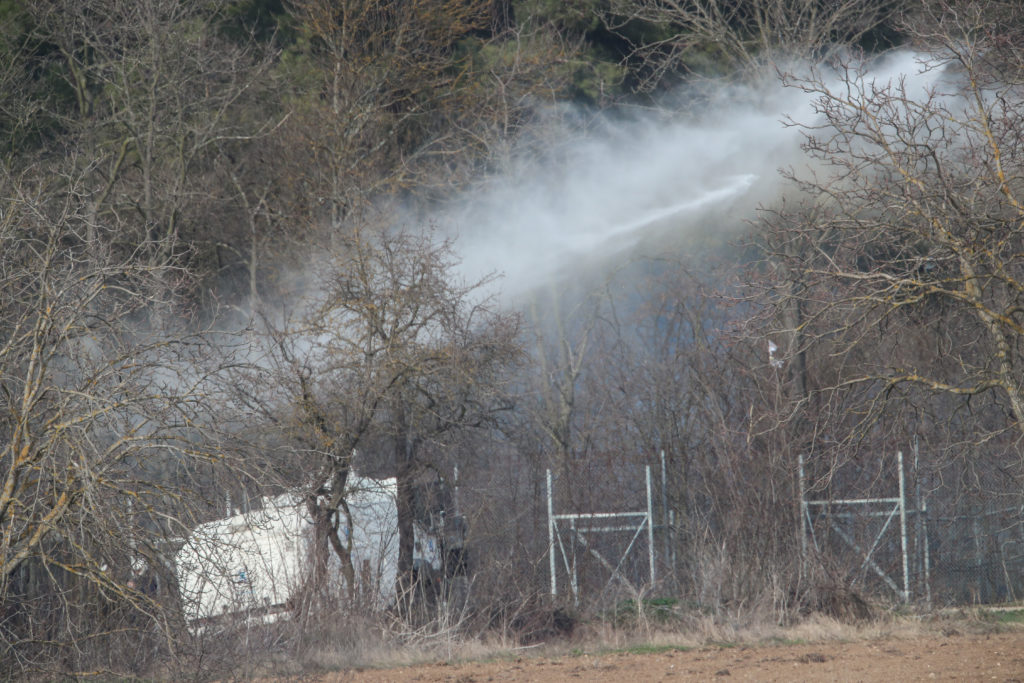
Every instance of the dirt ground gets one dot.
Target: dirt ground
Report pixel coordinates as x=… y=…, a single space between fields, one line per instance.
x=945 y=657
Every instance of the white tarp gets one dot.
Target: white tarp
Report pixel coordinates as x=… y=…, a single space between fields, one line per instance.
x=255 y=562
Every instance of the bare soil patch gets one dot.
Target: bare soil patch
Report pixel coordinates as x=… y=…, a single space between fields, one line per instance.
x=943 y=656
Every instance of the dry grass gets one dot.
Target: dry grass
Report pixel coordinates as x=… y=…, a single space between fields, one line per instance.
x=390 y=650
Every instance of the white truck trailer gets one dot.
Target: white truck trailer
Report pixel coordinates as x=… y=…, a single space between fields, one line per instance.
x=252 y=565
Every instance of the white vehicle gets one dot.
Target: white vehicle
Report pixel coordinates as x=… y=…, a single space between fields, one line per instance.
x=254 y=564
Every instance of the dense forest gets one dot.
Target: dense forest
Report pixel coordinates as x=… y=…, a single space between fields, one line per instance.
x=518 y=251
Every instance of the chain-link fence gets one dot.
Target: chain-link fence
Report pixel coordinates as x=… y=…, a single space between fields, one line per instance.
x=919 y=535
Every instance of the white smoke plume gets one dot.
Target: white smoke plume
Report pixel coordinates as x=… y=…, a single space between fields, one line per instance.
x=611 y=190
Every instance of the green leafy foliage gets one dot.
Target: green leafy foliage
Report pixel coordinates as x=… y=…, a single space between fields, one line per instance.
x=266 y=21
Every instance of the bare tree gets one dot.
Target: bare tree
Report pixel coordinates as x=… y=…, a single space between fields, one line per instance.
x=893 y=275
x=666 y=373
x=726 y=37
x=381 y=75
x=385 y=354
x=156 y=96
x=913 y=219
x=562 y=354
x=100 y=423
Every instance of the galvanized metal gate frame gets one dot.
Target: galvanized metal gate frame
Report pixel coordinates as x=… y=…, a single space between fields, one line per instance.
x=898 y=508
x=578 y=526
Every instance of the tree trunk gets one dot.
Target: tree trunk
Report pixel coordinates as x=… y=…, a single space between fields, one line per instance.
x=406 y=511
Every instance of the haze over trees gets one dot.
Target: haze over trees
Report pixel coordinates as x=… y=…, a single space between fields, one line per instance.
x=231 y=265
